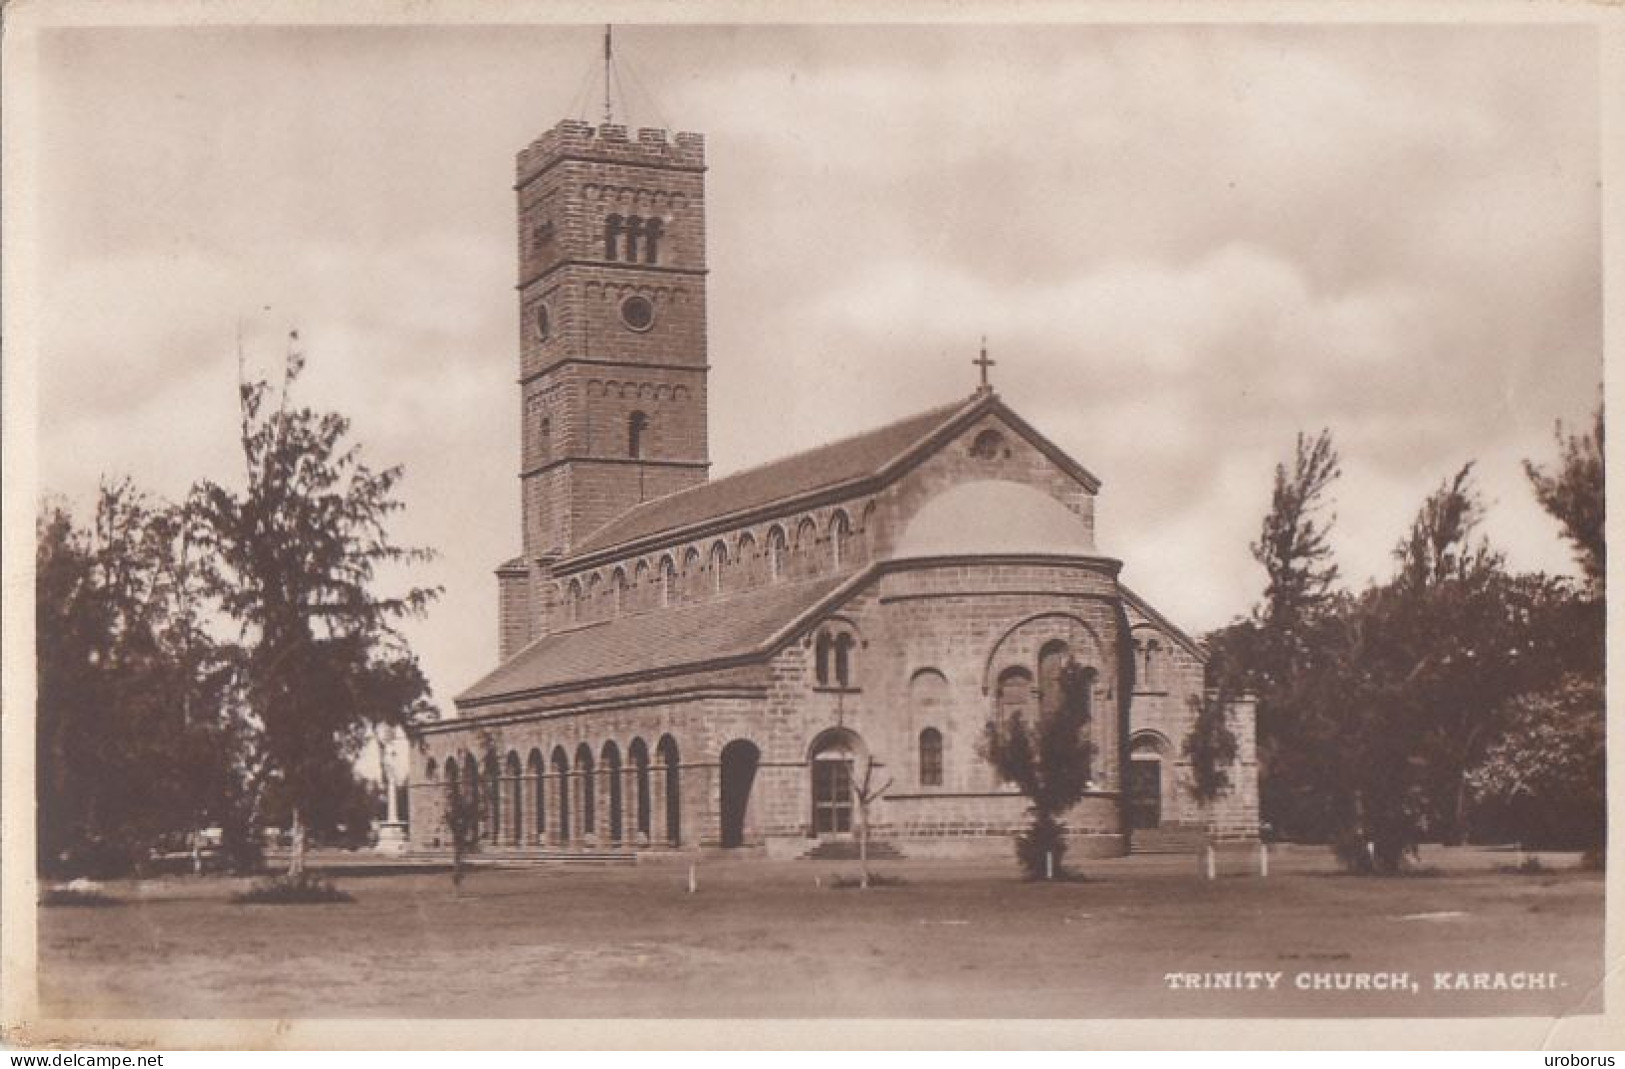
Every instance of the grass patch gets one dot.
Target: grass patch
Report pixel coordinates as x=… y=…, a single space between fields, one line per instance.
x=302 y=890
x=69 y=896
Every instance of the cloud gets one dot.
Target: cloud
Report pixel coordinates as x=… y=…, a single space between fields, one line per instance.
x=1184 y=243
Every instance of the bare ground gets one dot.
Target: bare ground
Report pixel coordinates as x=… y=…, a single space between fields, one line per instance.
x=772 y=939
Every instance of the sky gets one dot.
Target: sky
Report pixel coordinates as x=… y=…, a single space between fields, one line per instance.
x=1184 y=243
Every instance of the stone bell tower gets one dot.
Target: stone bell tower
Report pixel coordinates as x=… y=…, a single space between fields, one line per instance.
x=612 y=343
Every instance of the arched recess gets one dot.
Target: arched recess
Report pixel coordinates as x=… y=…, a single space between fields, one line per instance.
x=473 y=802
x=928 y=709
x=719 y=565
x=805 y=553
x=1147 y=781
x=740 y=759
x=586 y=790
x=777 y=555
x=666 y=754
x=562 y=830
x=745 y=560
x=840 y=540
x=692 y=585
x=638 y=755
x=668 y=582
x=491 y=830
x=1022 y=643
x=514 y=783
x=834 y=759
x=535 y=768
x=610 y=774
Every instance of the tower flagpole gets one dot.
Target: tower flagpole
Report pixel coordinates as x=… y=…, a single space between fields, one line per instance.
x=609 y=59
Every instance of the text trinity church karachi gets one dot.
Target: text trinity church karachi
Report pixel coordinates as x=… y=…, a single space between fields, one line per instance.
x=700 y=665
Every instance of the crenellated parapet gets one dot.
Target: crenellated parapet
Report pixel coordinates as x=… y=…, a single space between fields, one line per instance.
x=611 y=143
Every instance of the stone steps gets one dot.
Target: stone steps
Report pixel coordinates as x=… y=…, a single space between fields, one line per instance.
x=846 y=850
x=1168 y=841
x=534 y=856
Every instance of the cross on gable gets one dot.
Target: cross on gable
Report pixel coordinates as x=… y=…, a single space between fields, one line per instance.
x=984 y=363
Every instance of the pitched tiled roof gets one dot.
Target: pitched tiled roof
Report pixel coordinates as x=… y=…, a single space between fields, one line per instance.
x=663 y=639
x=829 y=465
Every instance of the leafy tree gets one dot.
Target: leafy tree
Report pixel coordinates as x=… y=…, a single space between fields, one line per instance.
x=294 y=558
x=1545 y=779
x=1294 y=544
x=134 y=734
x=1574 y=495
x=1211 y=747
x=1272 y=655
x=1049 y=762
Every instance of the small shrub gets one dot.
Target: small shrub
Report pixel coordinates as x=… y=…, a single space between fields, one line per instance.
x=301 y=890
x=1530 y=866
x=876 y=879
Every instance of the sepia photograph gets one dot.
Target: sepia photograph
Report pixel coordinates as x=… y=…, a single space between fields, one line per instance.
x=597 y=515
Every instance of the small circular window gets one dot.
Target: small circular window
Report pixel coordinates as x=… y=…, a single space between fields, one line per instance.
x=638 y=312
x=544 y=323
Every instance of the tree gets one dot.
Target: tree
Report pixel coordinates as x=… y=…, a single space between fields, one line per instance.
x=865 y=794
x=1272 y=655
x=1049 y=761
x=294 y=557
x=1575 y=497
x=1211 y=746
x=134 y=734
x=1545 y=779
x=1294 y=544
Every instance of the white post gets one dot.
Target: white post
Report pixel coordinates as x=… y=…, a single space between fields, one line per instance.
x=693 y=884
x=1212 y=872
x=1049 y=864
x=1263 y=859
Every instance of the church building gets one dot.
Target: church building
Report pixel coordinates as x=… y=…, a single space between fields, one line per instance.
x=697 y=664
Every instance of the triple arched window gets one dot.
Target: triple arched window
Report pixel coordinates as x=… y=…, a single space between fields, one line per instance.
x=629 y=238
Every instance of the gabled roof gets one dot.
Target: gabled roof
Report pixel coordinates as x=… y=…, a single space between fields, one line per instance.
x=828 y=465
x=871 y=455
x=663 y=640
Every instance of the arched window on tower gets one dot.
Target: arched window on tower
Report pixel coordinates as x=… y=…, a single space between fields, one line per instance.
x=930 y=758
x=822 y=649
x=636 y=424
x=653 y=229
x=612 y=237
x=633 y=230
x=544 y=439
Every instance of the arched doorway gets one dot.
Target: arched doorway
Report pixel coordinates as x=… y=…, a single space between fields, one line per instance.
x=739 y=760
x=834 y=754
x=1143 y=785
